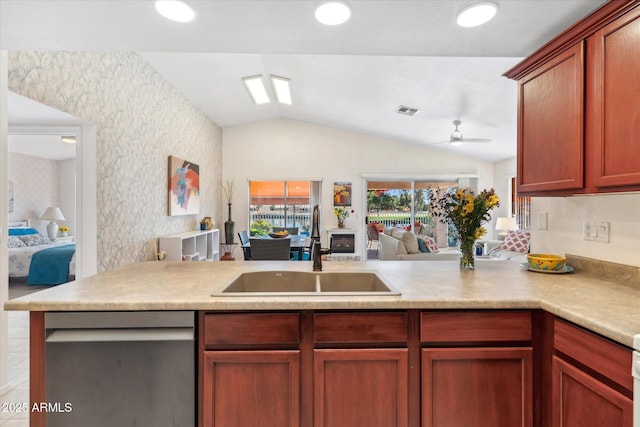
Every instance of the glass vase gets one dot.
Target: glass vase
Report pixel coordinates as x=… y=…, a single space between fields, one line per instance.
x=467 y=254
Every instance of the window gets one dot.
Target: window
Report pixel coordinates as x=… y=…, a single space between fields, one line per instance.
x=281 y=203
x=520 y=208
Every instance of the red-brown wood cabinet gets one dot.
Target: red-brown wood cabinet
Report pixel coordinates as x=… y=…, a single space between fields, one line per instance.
x=477 y=369
x=579 y=107
x=591 y=380
x=409 y=368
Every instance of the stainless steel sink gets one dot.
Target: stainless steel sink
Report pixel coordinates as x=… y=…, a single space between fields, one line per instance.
x=302 y=283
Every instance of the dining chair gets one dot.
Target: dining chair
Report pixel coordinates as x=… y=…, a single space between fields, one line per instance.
x=244 y=241
x=270 y=249
x=306 y=252
x=372 y=235
x=290 y=230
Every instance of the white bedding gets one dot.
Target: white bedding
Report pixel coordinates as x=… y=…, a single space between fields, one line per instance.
x=20 y=259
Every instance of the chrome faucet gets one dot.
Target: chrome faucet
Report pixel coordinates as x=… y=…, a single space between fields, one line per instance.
x=316 y=249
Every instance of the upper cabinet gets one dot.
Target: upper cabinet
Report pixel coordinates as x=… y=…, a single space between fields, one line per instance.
x=579 y=107
x=613 y=116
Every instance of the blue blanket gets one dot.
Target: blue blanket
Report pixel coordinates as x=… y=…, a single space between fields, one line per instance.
x=51 y=266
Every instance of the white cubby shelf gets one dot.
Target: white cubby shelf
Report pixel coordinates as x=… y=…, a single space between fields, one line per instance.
x=192 y=246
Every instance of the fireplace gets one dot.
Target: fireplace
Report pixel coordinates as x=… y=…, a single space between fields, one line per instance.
x=343 y=243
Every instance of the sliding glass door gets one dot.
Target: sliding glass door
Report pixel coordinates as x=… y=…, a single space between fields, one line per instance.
x=405 y=204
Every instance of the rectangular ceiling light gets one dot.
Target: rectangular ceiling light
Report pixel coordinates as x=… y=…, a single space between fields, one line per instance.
x=256 y=89
x=282 y=89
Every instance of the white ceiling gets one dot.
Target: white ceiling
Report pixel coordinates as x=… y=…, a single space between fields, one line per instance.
x=36 y=129
x=351 y=76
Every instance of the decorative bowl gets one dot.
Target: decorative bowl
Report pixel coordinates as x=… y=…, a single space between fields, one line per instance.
x=546 y=261
x=279 y=234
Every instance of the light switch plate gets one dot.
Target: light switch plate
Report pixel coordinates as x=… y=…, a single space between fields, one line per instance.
x=596 y=231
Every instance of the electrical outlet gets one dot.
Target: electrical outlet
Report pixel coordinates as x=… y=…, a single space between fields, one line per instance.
x=596 y=231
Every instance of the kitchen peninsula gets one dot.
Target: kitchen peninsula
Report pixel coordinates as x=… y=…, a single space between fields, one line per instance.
x=532 y=322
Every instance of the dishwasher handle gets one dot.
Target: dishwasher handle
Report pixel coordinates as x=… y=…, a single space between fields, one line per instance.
x=120 y=334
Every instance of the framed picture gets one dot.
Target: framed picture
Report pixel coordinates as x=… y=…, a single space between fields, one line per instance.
x=341 y=194
x=184 y=187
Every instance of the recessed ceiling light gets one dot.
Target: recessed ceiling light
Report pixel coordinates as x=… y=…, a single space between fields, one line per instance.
x=256 y=88
x=333 y=13
x=282 y=89
x=477 y=14
x=176 y=10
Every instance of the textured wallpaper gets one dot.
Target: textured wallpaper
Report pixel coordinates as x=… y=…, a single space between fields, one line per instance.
x=35 y=187
x=141 y=119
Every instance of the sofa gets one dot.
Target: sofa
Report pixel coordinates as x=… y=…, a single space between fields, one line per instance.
x=397 y=244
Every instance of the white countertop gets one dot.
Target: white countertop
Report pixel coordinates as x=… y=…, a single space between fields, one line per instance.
x=608 y=308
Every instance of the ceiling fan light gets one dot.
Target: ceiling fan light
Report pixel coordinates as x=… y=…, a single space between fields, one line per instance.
x=333 y=13
x=175 y=10
x=477 y=14
x=455 y=142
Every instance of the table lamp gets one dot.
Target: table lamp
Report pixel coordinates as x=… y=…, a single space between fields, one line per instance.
x=54 y=214
x=503 y=224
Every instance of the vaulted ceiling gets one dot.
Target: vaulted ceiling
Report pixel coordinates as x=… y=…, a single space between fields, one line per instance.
x=352 y=76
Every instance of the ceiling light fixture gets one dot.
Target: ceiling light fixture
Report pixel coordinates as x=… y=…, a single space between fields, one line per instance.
x=333 y=13
x=175 y=10
x=69 y=139
x=477 y=14
x=281 y=86
x=257 y=90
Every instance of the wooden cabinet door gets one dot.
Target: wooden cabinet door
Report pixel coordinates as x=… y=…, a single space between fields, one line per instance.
x=550 y=125
x=361 y=387
x=614 y=115
x=579 y=400
x=251 y=388
x=480 y=387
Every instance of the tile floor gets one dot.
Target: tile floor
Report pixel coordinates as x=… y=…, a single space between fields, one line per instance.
x=18 y=372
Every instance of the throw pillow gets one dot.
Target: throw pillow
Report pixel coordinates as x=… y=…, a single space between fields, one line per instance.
x=431 y=244
x=15 y=242
x=421 y=245
x=517 y=240
x=410 y=242
x=30 y=239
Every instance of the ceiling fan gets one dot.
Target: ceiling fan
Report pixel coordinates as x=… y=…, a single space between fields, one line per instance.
x=457 y=138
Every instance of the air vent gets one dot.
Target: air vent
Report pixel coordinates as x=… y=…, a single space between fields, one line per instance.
x=407 y=111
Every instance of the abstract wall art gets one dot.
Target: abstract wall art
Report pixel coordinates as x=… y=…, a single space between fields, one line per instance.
x=184 y=187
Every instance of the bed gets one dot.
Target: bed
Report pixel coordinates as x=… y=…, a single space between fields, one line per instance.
x=34 y=258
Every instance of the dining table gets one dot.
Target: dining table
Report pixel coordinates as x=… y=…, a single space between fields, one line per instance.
x=299 y=242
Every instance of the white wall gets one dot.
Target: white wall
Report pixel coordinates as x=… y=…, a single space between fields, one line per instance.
x=277 y=149
x=67 y=193
x=140 y=119
x=567 y=214
x=503 y=171
x=39 y=183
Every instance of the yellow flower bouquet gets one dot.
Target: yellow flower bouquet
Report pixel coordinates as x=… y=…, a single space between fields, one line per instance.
x=341 y=214
x=466 y=212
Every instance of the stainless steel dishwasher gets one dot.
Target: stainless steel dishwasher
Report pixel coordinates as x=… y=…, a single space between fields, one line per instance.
x=120 y=369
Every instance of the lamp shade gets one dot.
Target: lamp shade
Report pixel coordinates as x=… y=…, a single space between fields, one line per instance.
x=506 y=223
x=52 y=213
